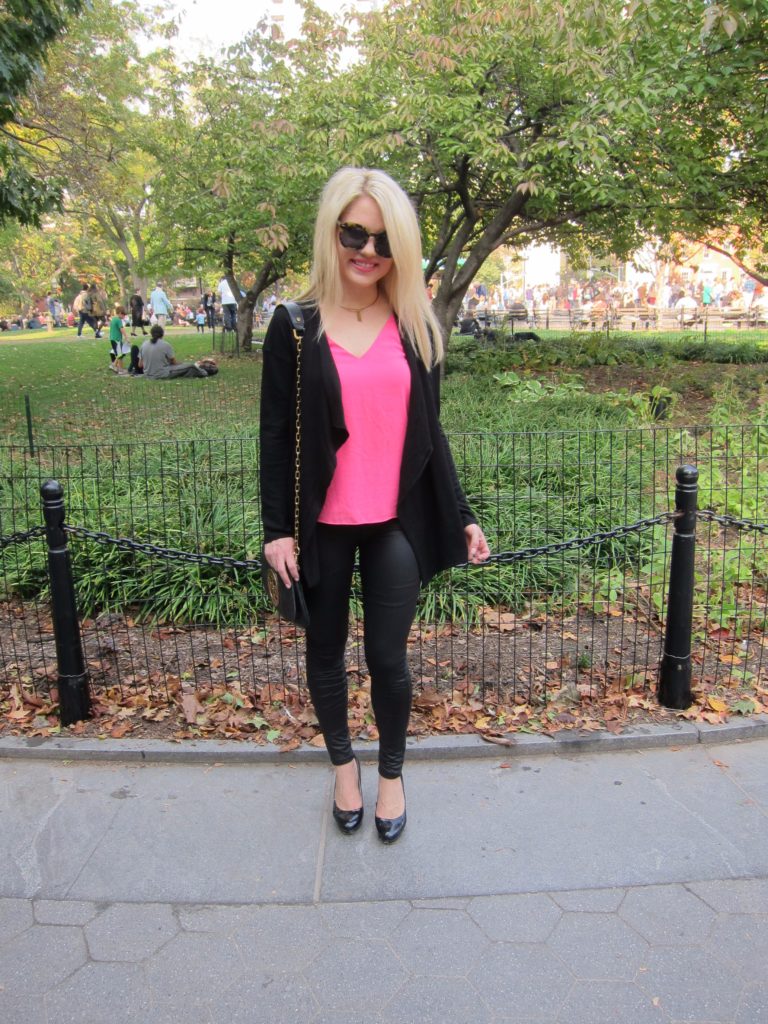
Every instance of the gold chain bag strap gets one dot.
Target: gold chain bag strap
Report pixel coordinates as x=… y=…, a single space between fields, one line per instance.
x=289 y=602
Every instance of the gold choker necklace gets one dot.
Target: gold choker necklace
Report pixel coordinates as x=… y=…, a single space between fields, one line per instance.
x=362 y=309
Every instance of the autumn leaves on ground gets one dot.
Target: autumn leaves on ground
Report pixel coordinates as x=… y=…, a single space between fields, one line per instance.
x=254 y=691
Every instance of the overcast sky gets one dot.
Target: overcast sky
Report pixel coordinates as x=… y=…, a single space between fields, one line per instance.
x=207 y=25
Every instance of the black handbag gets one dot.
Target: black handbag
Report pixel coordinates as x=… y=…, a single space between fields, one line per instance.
x=289 y=602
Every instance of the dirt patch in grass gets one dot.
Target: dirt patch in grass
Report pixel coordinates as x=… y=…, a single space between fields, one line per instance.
x=695 y=386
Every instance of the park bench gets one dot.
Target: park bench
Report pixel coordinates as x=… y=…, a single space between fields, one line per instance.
x=555 y=320
x=713 y=318
x=636 y=317
x=737 y=318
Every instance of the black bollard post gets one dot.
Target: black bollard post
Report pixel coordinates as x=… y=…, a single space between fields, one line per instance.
x=74 y=694
x=675 y=669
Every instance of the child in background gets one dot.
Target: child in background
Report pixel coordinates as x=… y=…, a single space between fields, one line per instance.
x=200 y=320
x=117 y=338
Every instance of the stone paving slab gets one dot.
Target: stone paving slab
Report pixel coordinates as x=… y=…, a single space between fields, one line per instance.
x=403 y=962
x=625 y=888
x=564 y=823
x=101 y=832
x=239 y=833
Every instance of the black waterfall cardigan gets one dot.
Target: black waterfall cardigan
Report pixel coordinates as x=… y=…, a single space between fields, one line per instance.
x=431 y=507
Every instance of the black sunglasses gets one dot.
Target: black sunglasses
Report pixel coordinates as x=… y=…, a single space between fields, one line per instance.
x=355 y=236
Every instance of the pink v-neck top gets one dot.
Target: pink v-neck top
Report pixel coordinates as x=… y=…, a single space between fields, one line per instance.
x=375 y=390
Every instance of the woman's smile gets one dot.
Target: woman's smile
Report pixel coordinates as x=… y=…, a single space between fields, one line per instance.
x=364 y=265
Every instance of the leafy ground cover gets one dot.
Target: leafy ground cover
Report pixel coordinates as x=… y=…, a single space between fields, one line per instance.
x=545 y=455
x=250 y=686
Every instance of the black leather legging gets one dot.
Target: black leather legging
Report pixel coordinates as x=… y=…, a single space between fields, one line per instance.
x=390 y=585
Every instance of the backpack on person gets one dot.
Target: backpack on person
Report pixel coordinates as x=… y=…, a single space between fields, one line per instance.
x=87 y=305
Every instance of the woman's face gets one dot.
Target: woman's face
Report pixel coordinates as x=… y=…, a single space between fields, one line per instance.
x=360 y=268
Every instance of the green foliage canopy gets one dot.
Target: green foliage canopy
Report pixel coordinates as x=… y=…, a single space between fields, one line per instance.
x=27 y=30
x=241 y=171
x=605 y=122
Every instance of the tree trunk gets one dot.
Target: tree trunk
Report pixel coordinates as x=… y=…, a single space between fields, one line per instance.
x=122 y=285
x=140 y=282
x=445 y=306
x=245 y=321
x=266 y=276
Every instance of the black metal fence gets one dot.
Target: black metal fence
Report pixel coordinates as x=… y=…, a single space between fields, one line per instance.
x=164 y=543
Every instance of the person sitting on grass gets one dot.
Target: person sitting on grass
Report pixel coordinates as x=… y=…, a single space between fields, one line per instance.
x=159 y=362
x=117 y=338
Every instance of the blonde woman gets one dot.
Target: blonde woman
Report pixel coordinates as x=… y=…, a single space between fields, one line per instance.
x=377 y=477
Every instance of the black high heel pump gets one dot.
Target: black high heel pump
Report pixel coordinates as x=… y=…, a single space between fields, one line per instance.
x=390 y=829
x=349 y=821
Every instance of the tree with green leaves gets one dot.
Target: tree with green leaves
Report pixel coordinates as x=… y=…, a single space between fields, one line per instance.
x=56 y=258
x=93 y=124
x=585 y=124
x=241 y=171
x=28 y=28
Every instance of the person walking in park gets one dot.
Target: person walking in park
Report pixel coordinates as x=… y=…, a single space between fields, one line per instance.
x=54 y=317
x=83 y=308
x=208 y=302
x=137 y=313
x=98 y=307
x=158 y=361
x=160 y=303
x=228 y=305
x=377 y=476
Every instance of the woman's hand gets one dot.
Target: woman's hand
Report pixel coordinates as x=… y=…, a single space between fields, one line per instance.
x=477 y=546
x=281 y=555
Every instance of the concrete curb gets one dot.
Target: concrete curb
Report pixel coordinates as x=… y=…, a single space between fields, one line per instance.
x=431 y=748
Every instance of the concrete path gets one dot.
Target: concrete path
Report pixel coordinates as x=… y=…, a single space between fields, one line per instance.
x=585 y=888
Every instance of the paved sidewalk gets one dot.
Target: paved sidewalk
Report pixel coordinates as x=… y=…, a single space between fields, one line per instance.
x=589 y=888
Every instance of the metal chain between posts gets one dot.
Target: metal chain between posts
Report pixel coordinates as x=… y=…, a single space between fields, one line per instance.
x=21 y=536
x=169 y=553
x=504 y=557
x=738 y=524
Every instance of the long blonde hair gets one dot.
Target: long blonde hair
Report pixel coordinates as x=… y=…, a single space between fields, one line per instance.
x=404 y=284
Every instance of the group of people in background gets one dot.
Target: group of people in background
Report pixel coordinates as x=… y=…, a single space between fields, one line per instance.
x=605 y=293
x=90 y=308
x=156 y=359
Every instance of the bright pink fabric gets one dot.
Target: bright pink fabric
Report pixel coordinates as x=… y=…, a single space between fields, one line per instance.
x=375 y=390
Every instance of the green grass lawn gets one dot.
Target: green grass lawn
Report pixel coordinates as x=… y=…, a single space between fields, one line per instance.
x=75 y=398
x=592 y=382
